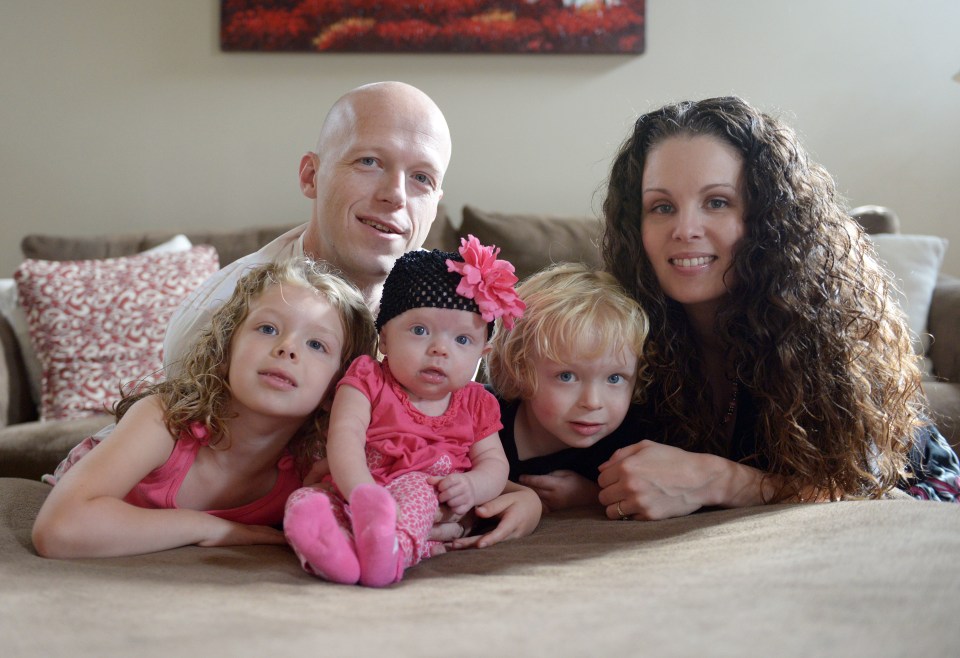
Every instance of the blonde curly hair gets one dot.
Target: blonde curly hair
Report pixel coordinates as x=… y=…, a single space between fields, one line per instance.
x=572 y=310
x=201 y=393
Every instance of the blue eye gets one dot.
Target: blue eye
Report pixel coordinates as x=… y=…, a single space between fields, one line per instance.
x=565 y=376
x=462 y=340
x=367 y=162
x=717 y=204
x=418 y=330
x=316 y=345
x=267 y=329
x=661 y=209
x=614 y=379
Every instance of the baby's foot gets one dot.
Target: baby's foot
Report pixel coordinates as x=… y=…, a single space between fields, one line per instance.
x=374 y=514
x=317 y=539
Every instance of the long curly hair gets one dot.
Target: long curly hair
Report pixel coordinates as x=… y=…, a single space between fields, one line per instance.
x=808 y=326
x=201 y=392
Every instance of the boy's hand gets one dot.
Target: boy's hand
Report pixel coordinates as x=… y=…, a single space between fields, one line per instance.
x=519 y=512
x=562 y=489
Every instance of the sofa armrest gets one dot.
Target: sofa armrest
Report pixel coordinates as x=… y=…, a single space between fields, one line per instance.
x=944 y=324
x=15 y=403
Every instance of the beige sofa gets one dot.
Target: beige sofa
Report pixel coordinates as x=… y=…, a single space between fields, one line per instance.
x=871 y=578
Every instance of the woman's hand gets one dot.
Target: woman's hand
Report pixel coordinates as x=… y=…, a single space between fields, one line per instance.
x=653 y=481
x=562 y=489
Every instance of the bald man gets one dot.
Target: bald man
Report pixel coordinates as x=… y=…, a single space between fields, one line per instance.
x=375 y=181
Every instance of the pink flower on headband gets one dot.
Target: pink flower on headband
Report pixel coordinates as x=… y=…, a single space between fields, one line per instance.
x=487 y=281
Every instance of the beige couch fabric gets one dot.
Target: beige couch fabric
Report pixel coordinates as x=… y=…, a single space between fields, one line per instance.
x=870 y=578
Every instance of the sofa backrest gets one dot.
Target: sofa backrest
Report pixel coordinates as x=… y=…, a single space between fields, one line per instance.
x=230 y=245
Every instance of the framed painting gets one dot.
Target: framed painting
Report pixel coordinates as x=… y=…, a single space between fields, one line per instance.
x=431 y=26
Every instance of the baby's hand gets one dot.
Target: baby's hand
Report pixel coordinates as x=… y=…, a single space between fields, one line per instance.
x=455 y=491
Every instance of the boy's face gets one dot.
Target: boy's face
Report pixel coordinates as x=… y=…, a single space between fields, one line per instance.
x=582 y=400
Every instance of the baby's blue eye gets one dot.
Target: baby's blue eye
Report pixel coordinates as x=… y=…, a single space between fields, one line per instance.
x=418 y=330
x=462 y=340
x=565 y=376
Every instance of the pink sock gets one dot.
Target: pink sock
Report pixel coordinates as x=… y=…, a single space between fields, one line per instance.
x=374 y=514
x=317 y=539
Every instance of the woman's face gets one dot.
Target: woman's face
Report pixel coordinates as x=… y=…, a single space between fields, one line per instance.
x=692 y=219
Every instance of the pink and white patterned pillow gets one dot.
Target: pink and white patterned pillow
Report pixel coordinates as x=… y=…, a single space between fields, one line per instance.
x=97 y=324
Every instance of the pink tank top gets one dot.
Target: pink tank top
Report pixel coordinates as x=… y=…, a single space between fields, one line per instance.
x=159 y=489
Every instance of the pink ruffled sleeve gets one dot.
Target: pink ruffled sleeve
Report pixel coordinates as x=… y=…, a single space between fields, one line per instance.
x=487 y=418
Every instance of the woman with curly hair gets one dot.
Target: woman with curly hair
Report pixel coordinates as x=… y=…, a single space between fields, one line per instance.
x=781 y=369
x=210 y=456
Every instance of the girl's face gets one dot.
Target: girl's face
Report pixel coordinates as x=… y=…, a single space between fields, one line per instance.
x=580 y=400
x=285 y=353
x=434 y=351
x=693 y=218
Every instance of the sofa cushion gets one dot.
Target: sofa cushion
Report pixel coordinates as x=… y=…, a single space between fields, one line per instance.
x=97 y=324
x=230 y=245
x=534 y=241
x=12 y=310
x=914 y=261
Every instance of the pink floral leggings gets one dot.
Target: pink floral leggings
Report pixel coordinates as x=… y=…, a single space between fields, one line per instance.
x=416 y=509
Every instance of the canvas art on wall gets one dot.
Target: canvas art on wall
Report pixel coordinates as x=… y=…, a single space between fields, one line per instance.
x=422 y=26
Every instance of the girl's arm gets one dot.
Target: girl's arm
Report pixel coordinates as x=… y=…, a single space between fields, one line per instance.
x=653 y=481
x=85 y=514
x=347 y=440
x=483 y=482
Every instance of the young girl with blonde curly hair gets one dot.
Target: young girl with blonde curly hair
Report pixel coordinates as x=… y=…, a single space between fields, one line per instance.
x=210 y=456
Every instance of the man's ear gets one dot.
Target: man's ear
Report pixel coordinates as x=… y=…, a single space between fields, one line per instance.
x=308 y=174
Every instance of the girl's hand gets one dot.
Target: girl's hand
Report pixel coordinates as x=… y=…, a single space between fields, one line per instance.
x=653 y=481
x=562 y=489
x=455 y=491
x=518 y=509
x=241 y=534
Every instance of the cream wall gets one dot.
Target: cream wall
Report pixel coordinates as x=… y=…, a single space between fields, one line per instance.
x=124 y=115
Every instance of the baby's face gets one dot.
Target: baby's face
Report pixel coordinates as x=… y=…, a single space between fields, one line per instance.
x=434 y=351
x=582 y=399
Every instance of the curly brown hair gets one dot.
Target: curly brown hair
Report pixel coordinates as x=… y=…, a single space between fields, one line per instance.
x=808 y=327
x=201 y=393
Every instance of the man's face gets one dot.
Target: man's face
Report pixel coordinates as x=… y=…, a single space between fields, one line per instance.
x=377 y=181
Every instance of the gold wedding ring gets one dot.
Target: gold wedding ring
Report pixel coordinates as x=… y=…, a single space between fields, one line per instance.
x=623 y=517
